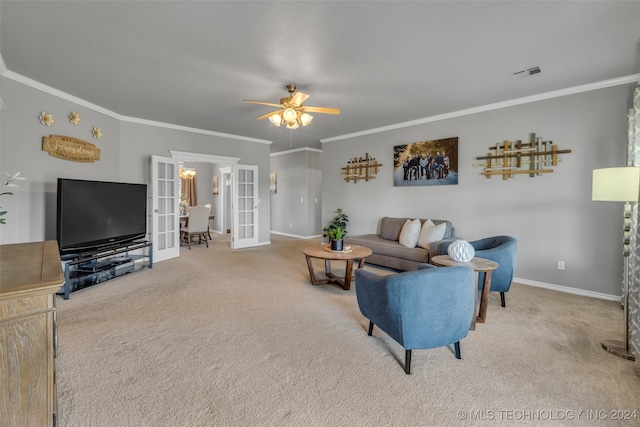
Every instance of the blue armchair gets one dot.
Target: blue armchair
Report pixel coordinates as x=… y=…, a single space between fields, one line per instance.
x=427 y=308
x=504 y=251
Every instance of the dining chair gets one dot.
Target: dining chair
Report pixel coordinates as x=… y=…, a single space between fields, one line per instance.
x=198 y=225
x=210 y=206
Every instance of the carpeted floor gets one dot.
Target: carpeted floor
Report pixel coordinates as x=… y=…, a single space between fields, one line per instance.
x=241 y=338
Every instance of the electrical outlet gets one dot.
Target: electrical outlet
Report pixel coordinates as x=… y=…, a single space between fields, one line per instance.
x=560 y=265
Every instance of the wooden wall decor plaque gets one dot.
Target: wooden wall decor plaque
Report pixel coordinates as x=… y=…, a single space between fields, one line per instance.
x=69 y=148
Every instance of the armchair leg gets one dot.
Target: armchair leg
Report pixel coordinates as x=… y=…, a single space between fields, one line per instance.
x=502 y=299
x=407 y=362
x=370 y=328
x=456 y=346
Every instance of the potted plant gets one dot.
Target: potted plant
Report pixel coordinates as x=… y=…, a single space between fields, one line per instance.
x=9 y=183
x=336 y=230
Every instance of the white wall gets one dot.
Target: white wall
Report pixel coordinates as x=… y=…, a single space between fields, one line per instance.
x=126 y=148
x=296 y=206
x=551 y=215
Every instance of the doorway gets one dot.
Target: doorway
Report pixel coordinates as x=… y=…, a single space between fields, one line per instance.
x=243 y=210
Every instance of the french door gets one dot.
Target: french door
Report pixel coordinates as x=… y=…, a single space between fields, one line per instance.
x=165 y=231
x=245 y=206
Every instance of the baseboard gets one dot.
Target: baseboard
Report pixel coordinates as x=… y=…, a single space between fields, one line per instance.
x=296 y=236
x=550 y=286
x=567 y=289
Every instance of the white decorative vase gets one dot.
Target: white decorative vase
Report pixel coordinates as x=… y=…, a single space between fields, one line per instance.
x=461 y=251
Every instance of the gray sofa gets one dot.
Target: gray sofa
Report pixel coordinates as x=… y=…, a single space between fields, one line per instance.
x=388 y=252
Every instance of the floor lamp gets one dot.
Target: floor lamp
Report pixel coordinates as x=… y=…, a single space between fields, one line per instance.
x=619 y=185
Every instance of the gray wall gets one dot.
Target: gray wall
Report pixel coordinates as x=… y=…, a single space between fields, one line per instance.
x=126 y=148
x=551 y=215
x=296 y=207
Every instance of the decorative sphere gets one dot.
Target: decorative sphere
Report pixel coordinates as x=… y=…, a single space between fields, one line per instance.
x=461 y=251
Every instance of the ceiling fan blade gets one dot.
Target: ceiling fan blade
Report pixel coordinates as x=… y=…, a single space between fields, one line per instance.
x=323 y=110
x=264 y=116
x=298 y=98
x=261 y=103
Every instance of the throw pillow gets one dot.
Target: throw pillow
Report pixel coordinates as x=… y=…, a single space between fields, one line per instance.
x=431 y=233
x=410 y=233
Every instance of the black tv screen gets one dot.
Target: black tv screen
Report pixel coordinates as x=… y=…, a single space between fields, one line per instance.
x=94 y=214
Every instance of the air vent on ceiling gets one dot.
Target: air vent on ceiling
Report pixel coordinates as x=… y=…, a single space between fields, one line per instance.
x=523 y=74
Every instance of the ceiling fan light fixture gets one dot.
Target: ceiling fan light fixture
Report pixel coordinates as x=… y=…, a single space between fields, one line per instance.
x=305 y=119
x=276 y=119
x=292 y=113
x=289 y=115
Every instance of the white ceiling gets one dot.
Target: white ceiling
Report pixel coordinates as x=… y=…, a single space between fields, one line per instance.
x=382 y=63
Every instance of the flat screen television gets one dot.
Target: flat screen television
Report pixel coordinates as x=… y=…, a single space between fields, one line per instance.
x=93 y=215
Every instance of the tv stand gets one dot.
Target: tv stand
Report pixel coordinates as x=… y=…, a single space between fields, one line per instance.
x=89 y=268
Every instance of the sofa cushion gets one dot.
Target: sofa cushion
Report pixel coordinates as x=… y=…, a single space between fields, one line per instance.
x=384 y=247
x=410 y=233
x=431 y=233
x=390 y=227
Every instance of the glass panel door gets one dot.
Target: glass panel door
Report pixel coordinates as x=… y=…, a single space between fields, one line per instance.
x=245 y=206
x=165 y=231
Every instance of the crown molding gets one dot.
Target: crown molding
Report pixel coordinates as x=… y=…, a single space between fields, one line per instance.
x=633 y=78
x=203 y=158
x=279 y=153
x=63 y=95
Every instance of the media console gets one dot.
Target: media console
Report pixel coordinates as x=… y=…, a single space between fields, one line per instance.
x=86 y=269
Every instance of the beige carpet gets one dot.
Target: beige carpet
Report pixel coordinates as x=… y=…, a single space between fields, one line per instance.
x=241 y=338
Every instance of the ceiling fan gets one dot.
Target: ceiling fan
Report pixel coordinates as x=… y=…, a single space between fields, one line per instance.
x=292 y=113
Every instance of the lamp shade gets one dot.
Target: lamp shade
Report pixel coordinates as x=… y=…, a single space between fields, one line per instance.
x=616 y=184
x=276 y=119
x=305 y=119
x=289 y=115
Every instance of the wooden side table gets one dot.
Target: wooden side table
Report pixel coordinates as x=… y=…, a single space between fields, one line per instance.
x=479 y=265
x=319 y=251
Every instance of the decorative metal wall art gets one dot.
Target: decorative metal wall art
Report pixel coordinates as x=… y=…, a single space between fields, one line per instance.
x=513 y=158
x=46 y=119
x=69 y=148
x=360 y=168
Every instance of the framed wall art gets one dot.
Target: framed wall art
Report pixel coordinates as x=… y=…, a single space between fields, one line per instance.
x=433 y=162
x=273 y=183
x=215 y=190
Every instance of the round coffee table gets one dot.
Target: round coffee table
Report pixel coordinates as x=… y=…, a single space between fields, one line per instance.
x=479 y=265
x=357 y=252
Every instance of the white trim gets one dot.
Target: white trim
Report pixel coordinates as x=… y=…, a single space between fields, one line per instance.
x=204 y=158
x=567 y=289
x=279 y=153
x=296 y=236
x=58 y=93
x=498 y=105
x=190 y=129
x=633 y=78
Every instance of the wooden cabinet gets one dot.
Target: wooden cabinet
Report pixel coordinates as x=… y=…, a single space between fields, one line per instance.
x=30 y=275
